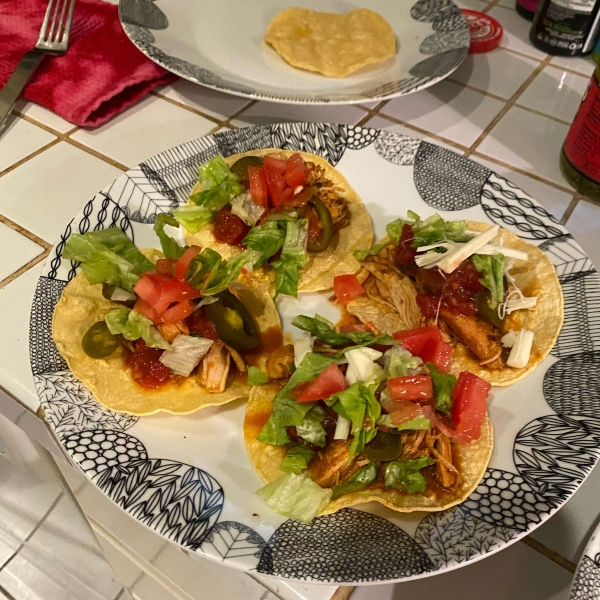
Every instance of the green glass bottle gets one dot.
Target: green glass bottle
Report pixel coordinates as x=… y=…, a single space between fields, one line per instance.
x=580 y=154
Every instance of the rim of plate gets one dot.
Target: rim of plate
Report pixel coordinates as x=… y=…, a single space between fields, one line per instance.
x=553 y=450
x=450 y=34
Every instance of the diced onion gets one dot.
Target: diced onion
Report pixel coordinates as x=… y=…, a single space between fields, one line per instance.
x=187 y=352
x=361 y=364
x=302 y=346
x=342 y=428
x=521 y=350
x=508 y=339
x=121 y=295
x=205 y=301
x=520 y=303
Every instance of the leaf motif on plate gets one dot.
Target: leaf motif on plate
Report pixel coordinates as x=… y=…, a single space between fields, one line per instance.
x=233 y=540
x=397 y=148
x=586 y=584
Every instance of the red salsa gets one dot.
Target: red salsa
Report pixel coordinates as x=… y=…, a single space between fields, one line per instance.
x=229 y=228
x=146 y=370
x=199 y=323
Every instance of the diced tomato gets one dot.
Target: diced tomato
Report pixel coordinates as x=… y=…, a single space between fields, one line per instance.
x=181 y=266
x=403 y=410
x=258 y=186
x=275 y=163
x=469 y=406
x=146 y=310
x=229 y=228
x=347 y=287
x=314 y=225
x=303 y=196
x=160 y=292
x=429 y=304
x=414 y=340
x=178 y=312
x=275 y=184
x=404 y=253
x=410 y=387
x=354 y=327
x=437 y=352
x=330 y=381
x=164 y=266
x=404 y=334
x=200 y=323
x=296 y=172
x=286 y=196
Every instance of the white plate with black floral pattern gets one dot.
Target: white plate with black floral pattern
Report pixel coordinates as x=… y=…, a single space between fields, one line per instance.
x=219 y=44
x=189 y=479
x=586 y=583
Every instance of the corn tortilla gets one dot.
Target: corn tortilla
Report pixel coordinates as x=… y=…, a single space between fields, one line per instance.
x=334 y=45
x=322 y=267
x=473 y=459
x=109 y=379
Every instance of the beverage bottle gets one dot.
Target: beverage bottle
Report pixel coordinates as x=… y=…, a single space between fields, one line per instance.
x=527 y=8
x=566 y=27
x=580 y=154
x=596 y=53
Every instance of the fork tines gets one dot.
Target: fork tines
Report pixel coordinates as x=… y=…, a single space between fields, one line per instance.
x=59 y=16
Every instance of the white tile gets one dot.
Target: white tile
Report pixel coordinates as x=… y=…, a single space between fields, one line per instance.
x=583 y=224
x=498 y=72
x=66 y=541
x=296 y=590
x=447 y=109
x=263 y=113
x=126 y=571
x=9 y=545
x=555 y=92
x=24 y=500
x=507 y=4
x=223 y=582
x=75 y=479
x=582 y=64
x=58 y=182
x=20 y=139
x=516 y=32
x=472 y=4
x=145 y=129
x=116 y=521
x=568 y=531
x=554 y=200
x=15 y=372
x=16 y=250
x=149 y=589
x=527 y=141
x=125 y=595
x=381 y=123
x=43 y=115
x=210 y=102
x=517 y=573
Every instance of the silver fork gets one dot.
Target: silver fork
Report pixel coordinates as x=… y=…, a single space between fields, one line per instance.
x=53 y=39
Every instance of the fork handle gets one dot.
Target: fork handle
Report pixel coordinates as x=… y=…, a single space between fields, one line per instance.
x=10 y=93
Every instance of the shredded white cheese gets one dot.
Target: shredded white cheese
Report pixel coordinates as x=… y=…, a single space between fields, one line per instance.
x=508 y=339
x=342 y=428
x=521 y=350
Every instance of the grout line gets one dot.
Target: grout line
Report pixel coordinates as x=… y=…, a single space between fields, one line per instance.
x=20 y=229
x=188 y=108
x=509 y=104
x=38 y=124
x=475 y=89
x=574 y=202
x=30 y=156
x=492 y=5
x=103 y=157
x=543 y=114
x=244 y=108
x=343 y=593
x=24 y=268
x=6 y=593
x=366 y=118
x=569 y=70
x=565 y=563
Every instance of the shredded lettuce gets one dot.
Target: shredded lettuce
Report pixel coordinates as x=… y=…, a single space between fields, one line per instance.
x=295 y=496
x=311 y=429
x=443 y=385
x=170 y=246
x=491 y=268
x=224 y=273
x=296 y=459
x=219 y=185
x=433 y=229
x=256 y=376
x=107 y=256
x=192 y=217
x=325 y=331
x=359 y=481
x=293 y=258
x=243 y=206
x=201 y=265
x=399 y=362
x=358 y=404
x=372 y=251
x=132 y=326
x=285 y=214
x=362 y=366
x=405 y=475
x=266 y=239
x=420 y=422
x=186 y=353
x=286 y=411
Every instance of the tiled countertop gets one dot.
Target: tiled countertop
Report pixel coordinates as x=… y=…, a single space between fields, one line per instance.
x=509 y=109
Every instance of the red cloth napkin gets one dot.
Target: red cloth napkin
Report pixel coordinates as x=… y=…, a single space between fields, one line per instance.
x=101 y=74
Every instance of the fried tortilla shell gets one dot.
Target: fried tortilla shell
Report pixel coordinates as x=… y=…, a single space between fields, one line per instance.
x=81 y=305
x=472 y=459
x=322 y=267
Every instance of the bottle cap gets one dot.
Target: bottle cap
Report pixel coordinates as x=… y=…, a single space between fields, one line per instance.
x=486 y=32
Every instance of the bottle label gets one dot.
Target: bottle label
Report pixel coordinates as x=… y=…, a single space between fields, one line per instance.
x=582 y=146
x=580 y=6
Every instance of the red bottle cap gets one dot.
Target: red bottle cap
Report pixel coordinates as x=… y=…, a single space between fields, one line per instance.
x=486 y=32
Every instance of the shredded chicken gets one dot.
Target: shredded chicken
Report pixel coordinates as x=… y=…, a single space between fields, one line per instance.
x=330 y=195
x=441 y=449
x=279 y=362
x=240 y=363
x=396 y=289
x=214 y=368
x=171 y=330
x=412 y=445
x=324 y=348
x=332 y=464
